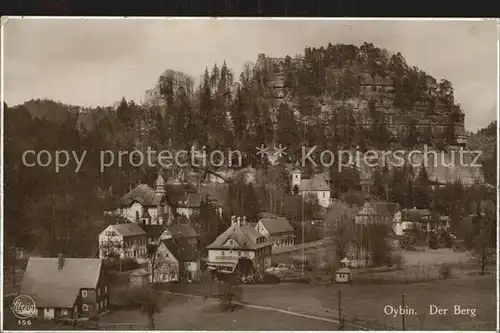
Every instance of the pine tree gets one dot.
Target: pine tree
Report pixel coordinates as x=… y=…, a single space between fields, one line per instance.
x=422 y=189
x=410 y=188
x=206 y=107
x=265 y=130
x=214 y=77
x=239 y=118
x=288 y=81
x=251 y=203
x=287 y=129
x=377 y=187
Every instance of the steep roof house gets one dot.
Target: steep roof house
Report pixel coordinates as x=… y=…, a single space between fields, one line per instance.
x=422 y=219
x=145 y=204
x=379 y=213
x=317 y=186
x=126 y=240
x=66 y=287
x=178 y=260
x=277 y=230
x=240 y=240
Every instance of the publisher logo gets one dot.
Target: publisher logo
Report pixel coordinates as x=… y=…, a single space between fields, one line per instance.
x=23 y=307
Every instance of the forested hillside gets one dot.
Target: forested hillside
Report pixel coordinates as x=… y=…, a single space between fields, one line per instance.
x=485 y=140
x=325 y=98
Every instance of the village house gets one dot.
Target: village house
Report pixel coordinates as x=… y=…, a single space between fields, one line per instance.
x=215 y=194
x=147 y=205
x=176 y=260
x=187 y=204
x=421 y=219
x=388 y=213
x=317 y=187
x=276 y=230
x=126 y=240
x=157 y=233
x=240 y=240
x=66 y=287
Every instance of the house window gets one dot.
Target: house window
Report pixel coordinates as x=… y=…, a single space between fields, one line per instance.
x=98 y=291
x=222 y=252
x=64 y=312
x=106 y=302
x=239 y=253
x=102 y=304
x=97 y=306
x=84 y=293
x=105 y=289
x=85 y=307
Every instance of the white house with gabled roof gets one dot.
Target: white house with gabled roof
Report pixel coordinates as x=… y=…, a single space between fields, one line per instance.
x=317 y=186
x=126 y=240
x=240 y=240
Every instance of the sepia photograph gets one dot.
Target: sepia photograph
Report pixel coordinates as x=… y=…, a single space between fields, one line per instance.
x=219 y=174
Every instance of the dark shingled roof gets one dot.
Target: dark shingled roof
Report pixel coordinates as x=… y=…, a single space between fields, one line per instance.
x=182 y=229
x=154 y=231
x=217 y=194
x=144 y=195
x=277 y=226
x=317 y=183
x=380 y=209
x=243 y=234
x=128 y=229
x=181 y=249
x=416 y=215
x=50 y=287
x=189 y=200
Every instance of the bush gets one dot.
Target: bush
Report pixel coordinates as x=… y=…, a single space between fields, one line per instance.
x=445 y=271
x=270 y=279
x=94 y=317
x=396 y=260
x=128 y=264
x=135 y=297
x=433 y=242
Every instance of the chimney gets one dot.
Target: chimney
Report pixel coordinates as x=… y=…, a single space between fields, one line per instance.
x=60 y=262
x=233 y=220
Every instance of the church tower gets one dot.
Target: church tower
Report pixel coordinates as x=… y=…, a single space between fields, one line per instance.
x=296 y=178
x=160 y=184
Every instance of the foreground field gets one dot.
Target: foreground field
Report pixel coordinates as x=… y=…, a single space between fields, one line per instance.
x=183 y=313
x=364 y=304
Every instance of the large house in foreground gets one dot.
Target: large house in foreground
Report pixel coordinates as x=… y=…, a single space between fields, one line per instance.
x=66 y=287
x=240 y=240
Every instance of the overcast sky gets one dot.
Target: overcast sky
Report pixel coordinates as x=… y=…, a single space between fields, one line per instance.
x=96 y=62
